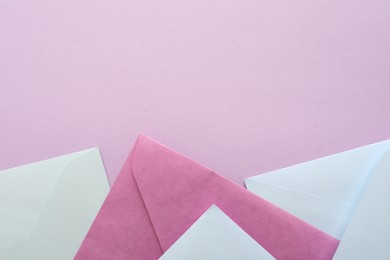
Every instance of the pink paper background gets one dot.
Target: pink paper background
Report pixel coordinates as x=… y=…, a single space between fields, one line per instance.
x=242 y=87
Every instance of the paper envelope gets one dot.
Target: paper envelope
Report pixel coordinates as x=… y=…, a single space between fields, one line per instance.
x=323 y=192
x=159 y=194
x=368 y=233
x=47 y=207
x=215 y=236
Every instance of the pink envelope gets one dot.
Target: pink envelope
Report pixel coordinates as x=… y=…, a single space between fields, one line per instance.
x=159 y=194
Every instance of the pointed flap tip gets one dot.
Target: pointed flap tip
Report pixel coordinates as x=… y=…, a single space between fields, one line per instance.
x=143 y=137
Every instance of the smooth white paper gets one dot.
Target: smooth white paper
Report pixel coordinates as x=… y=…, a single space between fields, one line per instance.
x=323 y=192
x=368 y=233
x=215 y=236
x=47 y=207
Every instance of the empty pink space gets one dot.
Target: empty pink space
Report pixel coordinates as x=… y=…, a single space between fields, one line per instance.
x=242 y=87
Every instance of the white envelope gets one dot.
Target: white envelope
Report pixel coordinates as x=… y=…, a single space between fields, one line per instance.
x=325 y=193
x=215 y=236
x=368 y=233
x=47 y=207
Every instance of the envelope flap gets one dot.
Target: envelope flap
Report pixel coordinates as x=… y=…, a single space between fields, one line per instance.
x=70 y=209
x=368 y=234
x=29 y=186
x=215 y=236
x=122 y=229
x=162 y=177
x=341 y=177
x=327 y=215
x=176 y=191
x=24 y=192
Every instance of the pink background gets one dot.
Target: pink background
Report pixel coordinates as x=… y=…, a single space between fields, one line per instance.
x=242 y=87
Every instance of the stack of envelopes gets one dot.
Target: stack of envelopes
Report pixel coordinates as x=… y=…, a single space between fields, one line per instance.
x=166 y=206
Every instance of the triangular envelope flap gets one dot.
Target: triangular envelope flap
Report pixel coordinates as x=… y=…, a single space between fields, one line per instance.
x=341 y=177
x=70 y=210
x=24 y=192
x=215 y=236
x=30 y=185
x=368 y=234
x=122 y=229
x=176 y=191
x=327 y=215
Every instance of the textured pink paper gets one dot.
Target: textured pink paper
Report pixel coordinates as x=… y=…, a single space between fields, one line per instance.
x=159 y=194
